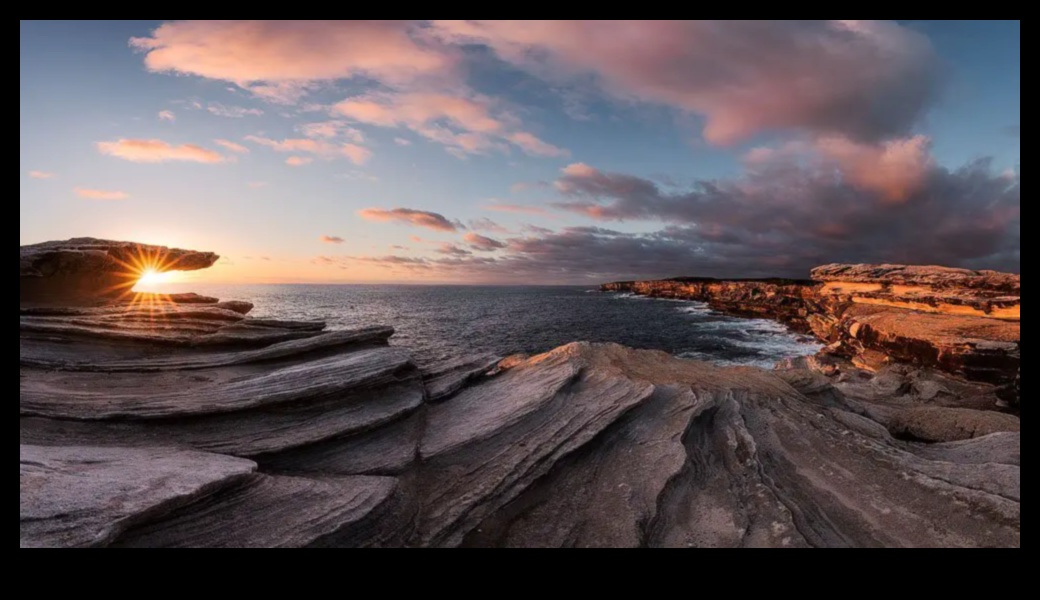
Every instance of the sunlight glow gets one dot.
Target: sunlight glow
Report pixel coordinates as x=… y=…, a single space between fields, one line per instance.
x=150 y=276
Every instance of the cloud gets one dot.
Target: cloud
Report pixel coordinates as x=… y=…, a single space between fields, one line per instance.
x=233 y=112
x=257 y=184
x=334 y=129
x=790 y=215
x=232 y=146
x=93 y=194
x=486 y=224
x=516 y=208
x=464 y=123
x=41 y=174
x=402 y=142
x=418 y=218
x=167 y=115
x=298 y=161
x=320 y=148
x=273 y=57
x=452 y=250
x=866 y=80
x=534 y=146
x=895 y=169
x=154 y=151
x=1013 y=130
x=482 y=243
x=330 y=239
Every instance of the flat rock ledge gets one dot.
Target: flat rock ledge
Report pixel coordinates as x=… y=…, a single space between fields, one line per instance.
x=138 y=433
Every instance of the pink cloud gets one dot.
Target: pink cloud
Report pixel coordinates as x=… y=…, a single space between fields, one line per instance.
x=828 y=77
x=93 y=194
x=330 y=239
x=153 y=151
x=298 y=161
x=263 y=55
x=896 y=169
x=516 y=208
x=532 y=145
x=418 y=218
x=232 y=146
x=41 y=174
x=319 y=148
x=464 y=124
x=331 y=130
x=257 y=184
x=167 y=115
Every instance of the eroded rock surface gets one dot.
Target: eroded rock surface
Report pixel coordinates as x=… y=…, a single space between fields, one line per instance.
x=192 y=425
x=789 y=301
x=961 y=321
x=90 y=271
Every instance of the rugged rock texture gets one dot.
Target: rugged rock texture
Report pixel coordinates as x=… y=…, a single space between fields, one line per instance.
x=960 y=321
x=787 y=300
x=927 y=289
x=144 y=431
x=91 y=271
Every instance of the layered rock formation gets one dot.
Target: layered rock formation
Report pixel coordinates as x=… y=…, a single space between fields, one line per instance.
x=88 y=271
x=789 y=301
x=962 y=322
x=177 y=432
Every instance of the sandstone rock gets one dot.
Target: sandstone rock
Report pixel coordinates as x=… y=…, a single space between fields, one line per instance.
x=585 y=445
x=961 y=321
x=941 y=290
x=940 y=424
x=786 y=300
x=443 y=380
x=281 y=512
x=722 y=457
x=88 y=496
x=89 y=270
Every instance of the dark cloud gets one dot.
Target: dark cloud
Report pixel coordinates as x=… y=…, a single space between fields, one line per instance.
x=330 y=239
x=780 y=219
x=968 y=216
x=479 y=242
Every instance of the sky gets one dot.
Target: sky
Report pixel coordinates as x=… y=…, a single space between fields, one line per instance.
x=519 y=152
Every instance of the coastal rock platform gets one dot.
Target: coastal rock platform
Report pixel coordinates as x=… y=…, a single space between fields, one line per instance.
x=180 y=421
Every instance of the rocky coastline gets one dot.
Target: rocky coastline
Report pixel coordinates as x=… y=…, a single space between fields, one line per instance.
x=152 y=420
x=961 y=322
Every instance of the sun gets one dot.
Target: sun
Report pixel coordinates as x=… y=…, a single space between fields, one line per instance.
x=150 y=276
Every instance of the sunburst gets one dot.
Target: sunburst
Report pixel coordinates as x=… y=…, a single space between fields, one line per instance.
x=145 y=265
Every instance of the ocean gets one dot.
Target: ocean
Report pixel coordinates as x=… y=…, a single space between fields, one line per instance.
x=443 y=322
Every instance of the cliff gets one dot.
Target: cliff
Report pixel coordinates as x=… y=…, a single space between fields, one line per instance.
x=786 y=300
x=962 y=322
x=199 y=426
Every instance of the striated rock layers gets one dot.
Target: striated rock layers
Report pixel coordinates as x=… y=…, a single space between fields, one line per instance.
x=181 y=431
x=789 y=301
x=91 y=271
x=963 y=322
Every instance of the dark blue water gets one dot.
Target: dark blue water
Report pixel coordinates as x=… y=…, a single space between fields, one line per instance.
x=442 y=322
